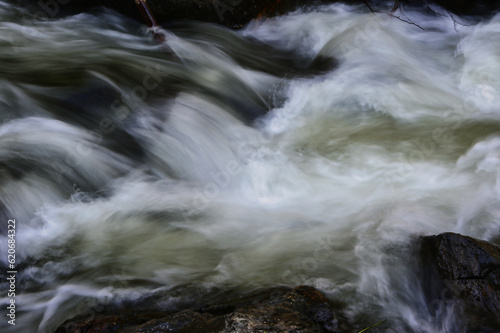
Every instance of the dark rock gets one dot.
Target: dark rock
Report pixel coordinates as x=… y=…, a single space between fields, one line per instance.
x=235 y=13
x=282 y=309
x=464 y=271
x=184 y=321
x=107 y=324
x=228 y=12
x=470 y=7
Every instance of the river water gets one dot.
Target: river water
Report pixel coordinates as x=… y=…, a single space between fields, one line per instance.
x=313 y=148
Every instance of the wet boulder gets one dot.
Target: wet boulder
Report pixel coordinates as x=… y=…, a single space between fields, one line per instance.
x=231 y=13
x=470 y=7
x=280 y=309
x=235 y=13
x=465 y=272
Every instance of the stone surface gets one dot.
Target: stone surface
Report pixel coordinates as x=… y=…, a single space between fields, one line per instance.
x=302 y=309
x=236 y=13
x=464 y=270
x=231 y=13
x=470 y=7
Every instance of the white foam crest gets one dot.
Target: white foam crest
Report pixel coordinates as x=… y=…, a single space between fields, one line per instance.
x=479 y=77
x=42 y=139
x=213 y=68
x=49 y=160
x=198 y=141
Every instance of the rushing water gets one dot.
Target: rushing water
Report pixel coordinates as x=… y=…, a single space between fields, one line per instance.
x=312 y=148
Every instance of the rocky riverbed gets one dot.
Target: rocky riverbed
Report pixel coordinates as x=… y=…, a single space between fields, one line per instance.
x=456 y=271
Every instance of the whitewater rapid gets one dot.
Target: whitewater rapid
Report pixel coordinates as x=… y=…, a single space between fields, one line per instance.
x=230 y=161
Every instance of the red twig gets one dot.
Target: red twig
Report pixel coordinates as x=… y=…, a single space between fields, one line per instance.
x=395 y=7
x=148 y=16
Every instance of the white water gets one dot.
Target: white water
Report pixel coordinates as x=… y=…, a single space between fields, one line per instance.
x=330 y=188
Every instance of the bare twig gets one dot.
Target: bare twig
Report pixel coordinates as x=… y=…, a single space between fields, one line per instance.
x=432 y=9
x=148 y=16
x=368 y=328
x=406 y=21
x=369 y=7
x=450 y=15
x=395 y=7
x=455 y=22
x=146 y=13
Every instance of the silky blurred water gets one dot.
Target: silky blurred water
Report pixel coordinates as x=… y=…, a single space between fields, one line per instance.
x=312 y=148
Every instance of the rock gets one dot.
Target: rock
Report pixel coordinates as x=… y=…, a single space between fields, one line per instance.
x=232 y=13
x=107 y=323
x=281 y=309
x=184 y=321
x=236 y=13
x=470 y=7
x=464 y=271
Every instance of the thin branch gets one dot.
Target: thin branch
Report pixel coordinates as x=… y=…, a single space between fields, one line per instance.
x=148 y=16
x=146 y=13
x=395 y=7
x=432 y=10
x=368 y=328
x=369 y=7
x=406 y=21
x=450 y=15
x=455 y=22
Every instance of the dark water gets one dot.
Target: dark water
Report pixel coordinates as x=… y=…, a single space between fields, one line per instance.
x=312 y=149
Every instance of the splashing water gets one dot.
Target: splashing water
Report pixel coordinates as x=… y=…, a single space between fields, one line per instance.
x=233 y=162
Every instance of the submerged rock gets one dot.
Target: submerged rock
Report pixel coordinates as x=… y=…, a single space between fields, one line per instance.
x=464 y=271
x=281 y=309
